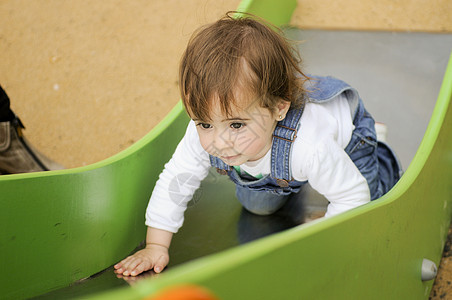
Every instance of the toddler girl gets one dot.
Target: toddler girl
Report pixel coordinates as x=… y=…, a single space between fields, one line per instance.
x=257 y=118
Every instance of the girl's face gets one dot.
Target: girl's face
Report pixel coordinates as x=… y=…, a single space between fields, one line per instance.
x=244 y=136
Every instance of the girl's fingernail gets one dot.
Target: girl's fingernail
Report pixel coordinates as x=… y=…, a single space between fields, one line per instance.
x=133 y=273
x=157 y=269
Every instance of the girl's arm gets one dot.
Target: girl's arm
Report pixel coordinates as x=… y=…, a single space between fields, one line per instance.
x=153 y=256
x=177 y=183
x=333 y=174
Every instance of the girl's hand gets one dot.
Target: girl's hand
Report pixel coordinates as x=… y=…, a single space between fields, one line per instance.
x=154 y=256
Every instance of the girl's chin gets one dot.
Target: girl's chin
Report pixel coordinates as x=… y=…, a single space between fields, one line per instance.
x=235 y=160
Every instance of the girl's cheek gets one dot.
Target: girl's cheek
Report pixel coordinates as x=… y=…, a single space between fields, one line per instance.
x=207 y=144
x=247 y=142
x=203 y=143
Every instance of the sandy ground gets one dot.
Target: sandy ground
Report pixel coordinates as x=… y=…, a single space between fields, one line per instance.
x=442 y=289
x=389 y=15
x=90 y=78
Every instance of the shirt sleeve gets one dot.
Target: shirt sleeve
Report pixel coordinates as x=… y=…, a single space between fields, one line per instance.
x=319 y=156
x=177 y=183
x=333 y=174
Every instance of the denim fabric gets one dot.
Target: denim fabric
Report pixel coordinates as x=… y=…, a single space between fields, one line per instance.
x=260 y=202
x=375 y=160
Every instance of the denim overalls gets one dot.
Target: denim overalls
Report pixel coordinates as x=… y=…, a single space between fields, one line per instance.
x=374 y=159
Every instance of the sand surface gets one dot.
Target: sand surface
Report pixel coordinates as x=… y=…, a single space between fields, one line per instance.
x=90 y=78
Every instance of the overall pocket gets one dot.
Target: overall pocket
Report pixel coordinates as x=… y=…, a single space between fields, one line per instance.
x=360 y=146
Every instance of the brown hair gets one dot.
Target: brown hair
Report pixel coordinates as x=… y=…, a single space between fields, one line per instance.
x=216 y=56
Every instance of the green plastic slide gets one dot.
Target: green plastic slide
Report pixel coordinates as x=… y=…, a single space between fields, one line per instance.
x=62 y=226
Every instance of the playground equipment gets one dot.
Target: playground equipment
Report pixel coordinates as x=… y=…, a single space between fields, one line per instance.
x=61 y=226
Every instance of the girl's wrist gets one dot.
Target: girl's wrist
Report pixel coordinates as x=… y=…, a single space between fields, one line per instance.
x=156 y=244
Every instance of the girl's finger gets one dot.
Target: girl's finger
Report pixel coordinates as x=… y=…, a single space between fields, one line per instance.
x=141 y=267
x=161 y=263
x=121 y=266
x=130 y=265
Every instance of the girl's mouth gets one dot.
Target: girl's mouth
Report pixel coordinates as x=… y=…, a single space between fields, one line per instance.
x=229 y=158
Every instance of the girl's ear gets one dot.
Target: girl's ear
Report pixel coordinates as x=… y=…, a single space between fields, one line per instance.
x=281 y=109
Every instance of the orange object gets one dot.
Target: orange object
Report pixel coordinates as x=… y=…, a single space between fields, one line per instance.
x=184 y=292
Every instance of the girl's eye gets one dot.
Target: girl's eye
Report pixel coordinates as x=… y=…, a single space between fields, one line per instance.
x=237 y=125
x=205 y=125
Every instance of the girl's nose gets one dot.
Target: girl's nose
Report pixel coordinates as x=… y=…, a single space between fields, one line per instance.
x=222 y=140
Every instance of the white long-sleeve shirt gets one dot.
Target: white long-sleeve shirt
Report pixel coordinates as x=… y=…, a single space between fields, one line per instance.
x=317 y=156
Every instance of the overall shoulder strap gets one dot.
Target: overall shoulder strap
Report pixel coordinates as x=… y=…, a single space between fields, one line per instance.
x=323 y=89
x=283 y=137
